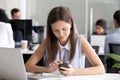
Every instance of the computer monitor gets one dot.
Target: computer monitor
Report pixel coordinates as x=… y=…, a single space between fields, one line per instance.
x=22 y=30
x=98 y=40
x=40 y=33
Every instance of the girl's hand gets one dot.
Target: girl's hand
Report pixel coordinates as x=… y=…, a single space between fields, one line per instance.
x=67 y=71
x=53 y=66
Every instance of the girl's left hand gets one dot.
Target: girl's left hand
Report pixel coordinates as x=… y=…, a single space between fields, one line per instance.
x=67 y=71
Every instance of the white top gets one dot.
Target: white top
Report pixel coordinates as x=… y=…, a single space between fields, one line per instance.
x=6 y=35
x=63 y=54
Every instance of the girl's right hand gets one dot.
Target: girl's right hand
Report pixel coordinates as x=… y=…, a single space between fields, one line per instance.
x=53 y=66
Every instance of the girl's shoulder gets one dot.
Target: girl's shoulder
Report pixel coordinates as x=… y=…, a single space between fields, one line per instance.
x=79 y=36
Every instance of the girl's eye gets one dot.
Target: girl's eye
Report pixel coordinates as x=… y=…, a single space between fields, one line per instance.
x=56 y=30
x=65 y=29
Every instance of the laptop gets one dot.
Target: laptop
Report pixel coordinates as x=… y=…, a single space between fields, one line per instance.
x=12 y=64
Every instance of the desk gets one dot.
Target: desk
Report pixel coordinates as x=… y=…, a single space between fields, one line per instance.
x=87 y=77
x=30 y=51
x=27 y=54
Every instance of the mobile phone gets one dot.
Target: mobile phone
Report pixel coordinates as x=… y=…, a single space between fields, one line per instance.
x=63 y=65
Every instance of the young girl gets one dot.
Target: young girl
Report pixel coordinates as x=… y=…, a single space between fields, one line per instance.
x=63 y=45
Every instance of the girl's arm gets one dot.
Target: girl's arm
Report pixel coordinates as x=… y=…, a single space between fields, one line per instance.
x=93 y=58
x=36 y=57
x=97 y=68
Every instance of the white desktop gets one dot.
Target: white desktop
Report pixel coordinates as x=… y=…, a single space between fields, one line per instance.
x=30 y=51
x=53 y=76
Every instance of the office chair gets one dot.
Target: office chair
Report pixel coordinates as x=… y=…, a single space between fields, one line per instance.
x=96 y=48
x=18 y=36
x=114 y=48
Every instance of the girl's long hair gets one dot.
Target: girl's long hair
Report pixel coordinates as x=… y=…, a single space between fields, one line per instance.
x=56 y=14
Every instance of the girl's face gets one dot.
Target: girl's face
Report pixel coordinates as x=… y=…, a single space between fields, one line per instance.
x=99 y=30
x=61 y=30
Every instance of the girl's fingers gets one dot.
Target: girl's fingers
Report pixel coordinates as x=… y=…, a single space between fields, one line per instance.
x=59 y=62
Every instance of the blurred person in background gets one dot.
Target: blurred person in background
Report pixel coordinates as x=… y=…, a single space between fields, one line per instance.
x=6 y=33
x=113 y=37
x=101 y=26
x=15 y=13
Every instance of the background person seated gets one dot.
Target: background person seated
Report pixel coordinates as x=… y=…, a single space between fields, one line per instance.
x=15 y=13
x=113 y=38
x=101 y=26
x=18 y=35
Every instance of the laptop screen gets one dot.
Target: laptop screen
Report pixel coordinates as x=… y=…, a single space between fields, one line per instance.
x=12 y=64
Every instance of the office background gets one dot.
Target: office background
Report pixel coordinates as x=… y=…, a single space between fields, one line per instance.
x=85 y=12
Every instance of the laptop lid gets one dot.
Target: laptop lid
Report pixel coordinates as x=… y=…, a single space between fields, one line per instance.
x=12 y=64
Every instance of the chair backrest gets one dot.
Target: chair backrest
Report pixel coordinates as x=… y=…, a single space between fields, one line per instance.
x=96 y=48
x=18 y=36
x=114 y=48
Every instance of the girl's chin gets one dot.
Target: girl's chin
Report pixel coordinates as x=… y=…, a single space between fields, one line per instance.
x=62 y=41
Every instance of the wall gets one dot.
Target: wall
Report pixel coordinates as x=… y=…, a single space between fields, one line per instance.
x=104 y=9
x=9 y=4
x=77 y=8
x=80 y=9
x=38 y=10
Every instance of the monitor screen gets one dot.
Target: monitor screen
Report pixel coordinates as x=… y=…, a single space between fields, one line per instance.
x=98 y=40
x=22 y=30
